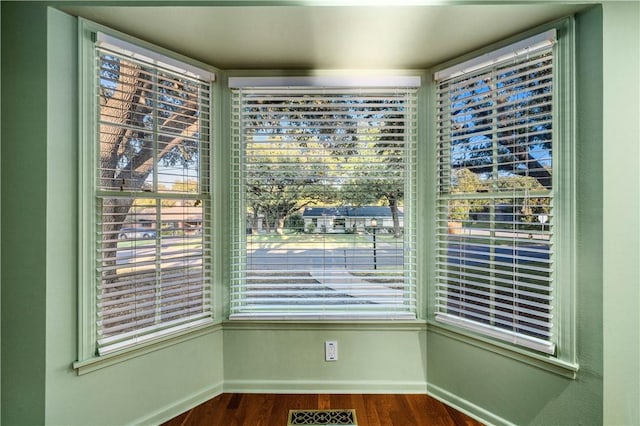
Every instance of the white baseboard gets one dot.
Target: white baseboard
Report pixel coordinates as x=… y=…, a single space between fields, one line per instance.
x=466 y=407
x=323 y=386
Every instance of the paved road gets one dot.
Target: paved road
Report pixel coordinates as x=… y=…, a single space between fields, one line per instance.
x=462 y=254
x=146 y=255
x=349 y=259
x=321 y=259
x=479 y=254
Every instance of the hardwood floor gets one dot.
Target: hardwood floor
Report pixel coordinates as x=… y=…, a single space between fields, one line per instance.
x=234 y=409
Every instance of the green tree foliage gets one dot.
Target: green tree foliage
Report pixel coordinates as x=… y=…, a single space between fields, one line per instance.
x=277 y=188
x=295 y=222
x=518 y=191
x=322 y=149
x=466 y=182
x=378 y=178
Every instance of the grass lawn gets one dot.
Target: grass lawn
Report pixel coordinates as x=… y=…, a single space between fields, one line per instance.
x=128 y=244
x=189 y=242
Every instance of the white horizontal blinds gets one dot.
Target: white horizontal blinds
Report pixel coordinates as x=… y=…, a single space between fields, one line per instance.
x=495 y=213
x=153 y=211
x=317 y=168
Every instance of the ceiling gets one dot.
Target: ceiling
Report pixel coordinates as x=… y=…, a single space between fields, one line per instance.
x=323 y=37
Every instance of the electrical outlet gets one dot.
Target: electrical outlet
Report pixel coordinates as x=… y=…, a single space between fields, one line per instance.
x=330 y=350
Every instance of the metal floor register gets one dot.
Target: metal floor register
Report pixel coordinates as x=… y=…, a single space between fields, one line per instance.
x=322 y=417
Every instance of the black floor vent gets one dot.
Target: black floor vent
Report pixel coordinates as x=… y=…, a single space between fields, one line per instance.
x=322 y=417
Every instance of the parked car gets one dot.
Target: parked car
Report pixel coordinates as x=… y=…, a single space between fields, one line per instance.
x=136 y=233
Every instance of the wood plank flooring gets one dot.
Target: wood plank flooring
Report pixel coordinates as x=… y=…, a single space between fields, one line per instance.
x=234 y=409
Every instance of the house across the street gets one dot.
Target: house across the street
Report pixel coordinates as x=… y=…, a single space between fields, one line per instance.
x=348 y=219
x=187 y=219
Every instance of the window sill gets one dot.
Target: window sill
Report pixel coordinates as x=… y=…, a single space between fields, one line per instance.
x=553 y=365
x=360 y=325
x=97 y=363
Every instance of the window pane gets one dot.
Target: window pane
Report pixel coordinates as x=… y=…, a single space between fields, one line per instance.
x=151 y=121
x=153 y=220
x=495 y=263
x=326 y=184
x=150 y=264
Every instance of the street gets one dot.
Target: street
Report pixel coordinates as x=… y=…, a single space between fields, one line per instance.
x=315 y=259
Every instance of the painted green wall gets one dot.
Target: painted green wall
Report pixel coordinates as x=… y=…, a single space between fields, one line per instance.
x=621 y=214
x=0 y=214
x=290 y=358
x=24 y=165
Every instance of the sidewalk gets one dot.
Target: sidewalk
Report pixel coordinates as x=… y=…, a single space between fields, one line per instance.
x=344 y=282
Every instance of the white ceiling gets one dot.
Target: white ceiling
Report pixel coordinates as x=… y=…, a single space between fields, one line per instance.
x=324 y=37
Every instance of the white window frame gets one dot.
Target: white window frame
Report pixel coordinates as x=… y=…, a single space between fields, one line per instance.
x=89 y=359
x=563 y=361
x=318 y=84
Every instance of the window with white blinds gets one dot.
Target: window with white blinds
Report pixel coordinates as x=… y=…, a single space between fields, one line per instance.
x=495 y=195
x=152 y=198
x=325 y=215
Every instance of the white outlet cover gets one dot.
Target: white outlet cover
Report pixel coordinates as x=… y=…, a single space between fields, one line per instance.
x=330 y=350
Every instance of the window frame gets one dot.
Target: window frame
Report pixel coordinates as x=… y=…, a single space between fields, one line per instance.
x=564 y=361
x=88 y=359
x=332 y=82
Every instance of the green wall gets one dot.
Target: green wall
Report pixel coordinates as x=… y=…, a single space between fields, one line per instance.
x=24 y=165
x=39 y=278
x=0 y=214
x=372 y=358
x=621 y=227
